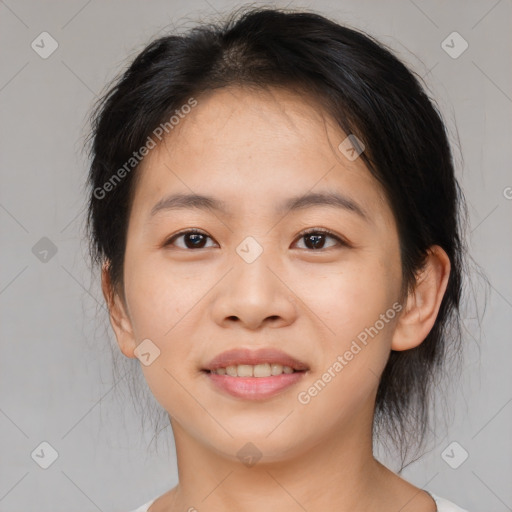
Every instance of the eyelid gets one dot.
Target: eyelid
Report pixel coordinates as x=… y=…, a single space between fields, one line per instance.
x=341 y=240
x=171 y=239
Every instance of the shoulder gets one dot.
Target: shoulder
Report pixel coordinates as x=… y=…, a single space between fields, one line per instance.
x=443 y=505
x=145 y=507
x=446 y=506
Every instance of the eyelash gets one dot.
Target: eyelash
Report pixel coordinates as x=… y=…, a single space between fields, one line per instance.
x=302 y=234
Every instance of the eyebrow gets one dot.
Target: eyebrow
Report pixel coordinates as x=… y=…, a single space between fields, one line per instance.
x=309 y=200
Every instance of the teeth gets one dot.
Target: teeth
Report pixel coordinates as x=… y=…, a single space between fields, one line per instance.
x=276 y=369
x=262 y=370
x=257 y=370
x=244 y=370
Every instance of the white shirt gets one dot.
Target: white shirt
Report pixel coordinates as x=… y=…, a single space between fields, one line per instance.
x=442 y=505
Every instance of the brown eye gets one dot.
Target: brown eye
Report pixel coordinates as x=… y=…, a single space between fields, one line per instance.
x=192 y=239
x=316 y=239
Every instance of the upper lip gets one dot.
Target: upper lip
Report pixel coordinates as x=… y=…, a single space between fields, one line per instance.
x=238 y=356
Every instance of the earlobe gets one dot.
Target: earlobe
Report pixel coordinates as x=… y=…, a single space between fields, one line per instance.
x=119 y=319
x=423 y=302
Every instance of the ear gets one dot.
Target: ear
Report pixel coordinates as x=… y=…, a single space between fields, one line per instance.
x=423 y=302
x=119 y=318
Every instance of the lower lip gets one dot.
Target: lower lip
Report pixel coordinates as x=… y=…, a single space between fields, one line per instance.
x=254 y=388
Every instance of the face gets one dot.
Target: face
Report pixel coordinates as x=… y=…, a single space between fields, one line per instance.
x=260 y=276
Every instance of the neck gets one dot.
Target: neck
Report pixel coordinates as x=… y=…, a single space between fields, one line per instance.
x=337 y=473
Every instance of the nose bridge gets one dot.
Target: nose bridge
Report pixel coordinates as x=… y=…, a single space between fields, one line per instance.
x=252 y=264
x=253 y=292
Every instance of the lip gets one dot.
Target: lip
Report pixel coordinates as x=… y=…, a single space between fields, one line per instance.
x=254 y=388
x=247 y=356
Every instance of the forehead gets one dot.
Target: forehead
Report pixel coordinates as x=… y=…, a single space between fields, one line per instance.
x=243 y=121
x=253 y=146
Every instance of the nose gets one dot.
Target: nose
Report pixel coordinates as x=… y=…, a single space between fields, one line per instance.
x=254 y=295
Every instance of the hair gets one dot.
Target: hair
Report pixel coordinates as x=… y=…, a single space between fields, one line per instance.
x=368 y=92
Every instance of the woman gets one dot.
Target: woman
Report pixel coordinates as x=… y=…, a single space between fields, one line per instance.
x=274 y=206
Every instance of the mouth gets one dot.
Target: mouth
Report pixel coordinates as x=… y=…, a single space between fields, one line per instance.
x=258 y=371
x=254 y=374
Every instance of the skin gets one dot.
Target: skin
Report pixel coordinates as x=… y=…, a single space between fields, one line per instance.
x=253 y=149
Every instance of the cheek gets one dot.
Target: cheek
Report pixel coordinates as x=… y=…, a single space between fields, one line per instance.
x=158 y=298
x=159 y=301
x=350 y=299
x=357 y=308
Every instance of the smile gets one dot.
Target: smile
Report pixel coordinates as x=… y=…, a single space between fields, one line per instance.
x=257 y=370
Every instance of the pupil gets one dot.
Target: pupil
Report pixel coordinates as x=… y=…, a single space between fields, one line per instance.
x=196 y=239
x=317 y=240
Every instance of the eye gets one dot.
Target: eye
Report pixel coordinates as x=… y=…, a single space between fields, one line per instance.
x=193 y=239
x=196 y=239
x=317 y=238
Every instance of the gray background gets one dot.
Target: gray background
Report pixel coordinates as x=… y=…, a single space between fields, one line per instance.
x=56 y=365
